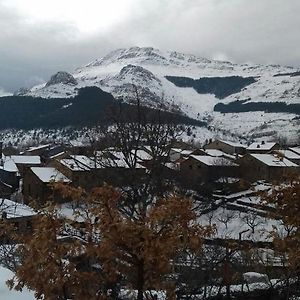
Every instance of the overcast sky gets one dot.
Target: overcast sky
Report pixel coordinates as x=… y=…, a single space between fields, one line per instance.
x=41 y=37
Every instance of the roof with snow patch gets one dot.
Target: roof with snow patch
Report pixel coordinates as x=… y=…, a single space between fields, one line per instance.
x=267 y=146
x=26 y=159
x=213 y=161
x=289 y=154
x=233 y=144
x=14 y=209
x=49 y=174
x=273 y=160
x=295 y=149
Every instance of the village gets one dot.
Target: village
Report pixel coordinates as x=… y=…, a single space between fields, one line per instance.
x=26 y=176
x=225 y=178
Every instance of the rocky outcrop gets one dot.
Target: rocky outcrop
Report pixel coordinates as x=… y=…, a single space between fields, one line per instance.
x=136 y=73
x=62 y=77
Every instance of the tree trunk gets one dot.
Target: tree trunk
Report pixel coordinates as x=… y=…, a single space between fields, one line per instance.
x=227 y=275
x=140 y=281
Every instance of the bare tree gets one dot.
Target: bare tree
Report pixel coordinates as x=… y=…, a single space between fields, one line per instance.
x=134 y=128
x=253 y=220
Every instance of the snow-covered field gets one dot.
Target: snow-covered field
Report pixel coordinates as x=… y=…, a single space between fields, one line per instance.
x=258 y=125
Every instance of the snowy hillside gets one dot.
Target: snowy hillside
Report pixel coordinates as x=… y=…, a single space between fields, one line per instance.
x=147 y=68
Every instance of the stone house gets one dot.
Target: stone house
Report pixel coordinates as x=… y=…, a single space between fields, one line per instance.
x=37 y=184
x=227 y=147
x=256 y=166
x=9 y=182
x=21 y=163
x=20 y=216
x=82 y=170
x=219 y=153
x=92 y=172
x=263 y=147
x=200 y=168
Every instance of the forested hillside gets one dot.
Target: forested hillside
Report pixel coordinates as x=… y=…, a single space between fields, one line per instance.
x=90 y=107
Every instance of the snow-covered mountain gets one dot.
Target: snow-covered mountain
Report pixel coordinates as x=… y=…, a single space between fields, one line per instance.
x=190 y=84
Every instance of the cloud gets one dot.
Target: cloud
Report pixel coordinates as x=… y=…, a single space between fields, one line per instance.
x=4 y=93
x=239 y=30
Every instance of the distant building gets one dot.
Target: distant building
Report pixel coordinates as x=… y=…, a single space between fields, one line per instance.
x=177 y=153
x=199 y=168
x=227 y=147
x=110 y=167
x=219 y=153
x=263 y=147
x=290 y=155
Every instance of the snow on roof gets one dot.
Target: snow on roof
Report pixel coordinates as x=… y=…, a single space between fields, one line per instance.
x=289 y=154
x=10 y=166
x=218 y=153
x=75 y=143
x=84 y=160
x=182 y=151
x=150 y=149
x=80 y=163
x=111 y=152
x=187 y=152
x=273 y=161
x=147 y=147
x=173 y=166
x=113 y=163
x=141 y=154
x=84 y=163
x=14 y=209
x=26 y=159
x=49 y=174
x=295 y=149
x=267 y=146
x=233 y=144
x=74 y=165
x=119 y=163
x=57 y=155
x=178 y=150
x=213 y=161
x=38 y=147
x=214 y=152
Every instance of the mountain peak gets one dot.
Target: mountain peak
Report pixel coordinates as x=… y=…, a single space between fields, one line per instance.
x=140 y=54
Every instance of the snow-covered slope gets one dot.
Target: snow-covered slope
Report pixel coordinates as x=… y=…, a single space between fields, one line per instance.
x=147 y=69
